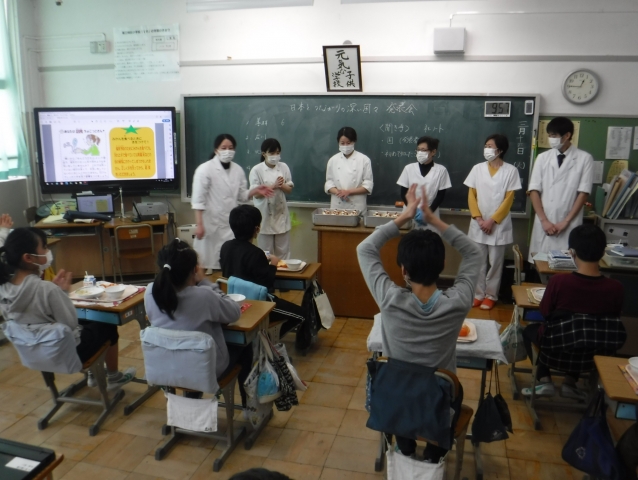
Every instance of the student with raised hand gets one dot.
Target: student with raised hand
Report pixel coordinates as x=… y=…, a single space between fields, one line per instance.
x=586 y=292
x=219 y=185
x=560 y=184
x=28 y=300
x=419 y=322
x=425 y=172
x=5 y=227
x=348 y=174
x=274 y=235
x=182 y=298
x=492 y=185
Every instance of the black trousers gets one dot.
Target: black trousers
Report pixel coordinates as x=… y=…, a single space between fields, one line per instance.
x=531 y=336
x=93 y=336
x=287 y=311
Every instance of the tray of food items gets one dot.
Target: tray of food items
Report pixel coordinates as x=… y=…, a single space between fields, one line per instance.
x=336 y=217
x=374 y=218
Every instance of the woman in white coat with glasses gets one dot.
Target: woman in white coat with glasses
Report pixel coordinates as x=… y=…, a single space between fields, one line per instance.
x=219 y=185
x=490 y=198
x=349 y=174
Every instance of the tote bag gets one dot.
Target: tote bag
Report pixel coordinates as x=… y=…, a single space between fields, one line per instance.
x=512 y=341
x=401 y=467
x=324 y=308
x=590 y=447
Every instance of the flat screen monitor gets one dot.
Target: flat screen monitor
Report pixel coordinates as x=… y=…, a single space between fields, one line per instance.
x=96 y=204
x=103 y=149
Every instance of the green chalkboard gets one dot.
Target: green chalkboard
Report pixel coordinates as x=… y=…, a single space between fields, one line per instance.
x=593 y=138
x=387 y=129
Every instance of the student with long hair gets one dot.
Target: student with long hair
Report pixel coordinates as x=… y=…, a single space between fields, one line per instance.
x=181 y=298
x=28 y=300
x=219 y=185
x=274 y=235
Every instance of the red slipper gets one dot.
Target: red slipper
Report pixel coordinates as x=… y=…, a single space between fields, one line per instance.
x=476 y=303
x=487 y=304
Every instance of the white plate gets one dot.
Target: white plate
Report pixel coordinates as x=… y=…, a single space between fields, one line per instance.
x=301 y=267
x=89 y=292
x=238 y=297
x=472 y=336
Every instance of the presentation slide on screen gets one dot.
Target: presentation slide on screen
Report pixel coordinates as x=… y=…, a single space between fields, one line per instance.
x=81 y=147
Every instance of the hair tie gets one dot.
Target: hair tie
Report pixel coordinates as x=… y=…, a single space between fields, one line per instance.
x=166 y=265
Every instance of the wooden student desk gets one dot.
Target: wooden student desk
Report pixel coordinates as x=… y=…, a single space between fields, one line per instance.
x=296 y=280
x=245 y=330
x=616 y=386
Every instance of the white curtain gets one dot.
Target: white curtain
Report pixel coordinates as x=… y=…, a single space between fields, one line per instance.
x=13 y=151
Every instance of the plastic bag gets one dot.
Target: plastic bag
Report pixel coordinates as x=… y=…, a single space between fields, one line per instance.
x=268 y=384
x=512 y=341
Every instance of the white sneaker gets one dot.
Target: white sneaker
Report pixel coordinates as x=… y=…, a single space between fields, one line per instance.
x=567 y=391
x=127 y=376
x=542 y=390
x=90 y=380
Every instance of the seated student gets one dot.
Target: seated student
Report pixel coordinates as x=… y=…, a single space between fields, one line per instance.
x=5 y=227
x=28 y=300
x=242 y=259
x=420 y=323
x=181 y=298
x=585 y=291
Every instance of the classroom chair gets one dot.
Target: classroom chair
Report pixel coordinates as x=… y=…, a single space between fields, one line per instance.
x=185 y=360
x=460 y=430
x=252 y=291
x=50 y=349
x=128 y=245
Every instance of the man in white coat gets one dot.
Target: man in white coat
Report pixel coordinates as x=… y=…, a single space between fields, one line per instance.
x=561 y=182
x=219 y=185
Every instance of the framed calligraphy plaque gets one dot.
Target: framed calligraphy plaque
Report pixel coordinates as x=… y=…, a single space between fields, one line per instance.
x=343 y=68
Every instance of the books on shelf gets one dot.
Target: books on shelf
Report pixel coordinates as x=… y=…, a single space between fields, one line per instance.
x=621 y=199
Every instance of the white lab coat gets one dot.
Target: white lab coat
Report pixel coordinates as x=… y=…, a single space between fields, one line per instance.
x=436 y=179
x=347 y=173
x=216 y=191
x=491 y=193
x=274 y=210
x=558 y=188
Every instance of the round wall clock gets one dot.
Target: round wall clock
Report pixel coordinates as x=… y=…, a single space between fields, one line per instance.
x=581 y=86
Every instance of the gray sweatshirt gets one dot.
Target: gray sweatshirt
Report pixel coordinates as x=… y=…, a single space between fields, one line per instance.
x=409 y=334
x=203 y=308
x=35 y=301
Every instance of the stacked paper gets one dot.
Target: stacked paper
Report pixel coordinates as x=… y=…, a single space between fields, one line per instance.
x=560 y=260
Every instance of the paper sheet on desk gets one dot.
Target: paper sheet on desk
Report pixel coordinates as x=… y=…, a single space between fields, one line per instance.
x=540 y=256
x=488 y=345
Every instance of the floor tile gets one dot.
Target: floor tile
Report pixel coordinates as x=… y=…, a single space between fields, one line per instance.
x=357 y=326
x=265 y=443
x=82 y=471
x=26 y=430
x=237 y=462
x=327 y=395
x=352 y=342
x=358 y=400
x=334 y=474
x=122 y=450
x=297 y=446
x=22 y=400
x=354 y=425
x=293 y=470
x=535 y=445
x=540 y=470
x=354 y=454
x=180 y=463
x=7 y=418
x=144 y=421
x=306 y=369
x=318 y=419
x=74 y=441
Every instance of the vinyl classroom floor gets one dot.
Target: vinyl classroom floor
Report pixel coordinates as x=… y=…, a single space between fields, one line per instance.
x=324 y=437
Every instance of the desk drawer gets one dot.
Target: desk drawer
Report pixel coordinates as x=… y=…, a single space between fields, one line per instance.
x=98 y=316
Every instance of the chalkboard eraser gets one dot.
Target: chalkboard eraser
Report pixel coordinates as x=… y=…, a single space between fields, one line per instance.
x=399 y=204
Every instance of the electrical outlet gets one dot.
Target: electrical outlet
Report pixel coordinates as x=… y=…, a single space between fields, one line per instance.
x=99 y=47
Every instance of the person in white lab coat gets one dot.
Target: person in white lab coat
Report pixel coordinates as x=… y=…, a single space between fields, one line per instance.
x=274 y=235
x=490 y=198
x=561 y=182
x=349 y=174
x=219 y=185
x=424 y=172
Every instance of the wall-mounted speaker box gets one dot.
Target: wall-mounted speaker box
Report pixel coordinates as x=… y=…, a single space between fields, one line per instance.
x=449 y=40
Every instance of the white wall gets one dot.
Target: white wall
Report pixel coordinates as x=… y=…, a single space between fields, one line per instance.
x=504 y=53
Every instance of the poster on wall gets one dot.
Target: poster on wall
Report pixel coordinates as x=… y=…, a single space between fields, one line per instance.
x=342 y=64
x=147 y=53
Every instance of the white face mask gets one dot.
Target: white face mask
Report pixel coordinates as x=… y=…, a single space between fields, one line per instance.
x=346 y=149
x=556 y=143
x=225 y=156
x=407 y=282
x=273 y=159
x=489 y=154
x=47 y=264
x=422 y=157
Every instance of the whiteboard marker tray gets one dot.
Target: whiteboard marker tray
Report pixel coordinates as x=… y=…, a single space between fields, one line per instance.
x=319 y=217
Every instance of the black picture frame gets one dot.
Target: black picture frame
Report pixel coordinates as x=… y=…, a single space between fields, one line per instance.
x=342 y=65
